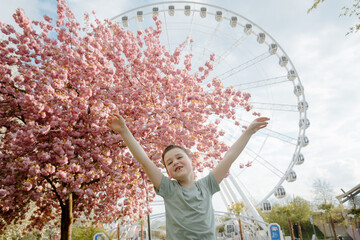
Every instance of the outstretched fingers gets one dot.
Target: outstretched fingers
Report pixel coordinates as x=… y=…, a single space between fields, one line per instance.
x=262 y=119
x=112 y=117
x=259 y=123
x=115 y=115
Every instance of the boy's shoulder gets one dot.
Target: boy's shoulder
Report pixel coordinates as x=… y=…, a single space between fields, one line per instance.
x=209 y=182
x=167 y=186
x=208 y=177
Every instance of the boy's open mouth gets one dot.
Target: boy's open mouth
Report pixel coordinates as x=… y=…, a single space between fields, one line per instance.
x=178 y=168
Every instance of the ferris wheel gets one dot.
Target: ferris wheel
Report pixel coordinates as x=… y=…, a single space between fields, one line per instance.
x=251 y=60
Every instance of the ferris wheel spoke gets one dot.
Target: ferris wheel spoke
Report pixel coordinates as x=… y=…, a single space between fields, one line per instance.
x=270 y=133
x=243 y=187
x=280 y=136
x=244 y=66
x=167 y=32
x=208 y=43
x=230 y=138
x=188 y=38
x=230 y=49
x=261 y=83
x=275 y=106
x=211 y=38
x=139 y=25
x=258 y=158
x=226 y=193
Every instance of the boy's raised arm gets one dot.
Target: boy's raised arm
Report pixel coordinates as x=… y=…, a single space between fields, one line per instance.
x=234 y=151
x=117 y=123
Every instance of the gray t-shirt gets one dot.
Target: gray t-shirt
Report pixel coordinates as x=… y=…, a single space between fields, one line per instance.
x=189 y=211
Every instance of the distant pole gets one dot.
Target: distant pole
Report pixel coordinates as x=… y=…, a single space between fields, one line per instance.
x=312 y=223
x=148 y=216
x=149 y=232
x=314 y=231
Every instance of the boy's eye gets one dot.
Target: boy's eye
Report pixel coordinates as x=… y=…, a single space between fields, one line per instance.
x=169 y=163
x=179 y=157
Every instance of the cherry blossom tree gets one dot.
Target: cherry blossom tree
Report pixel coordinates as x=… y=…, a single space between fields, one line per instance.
x=59 y=81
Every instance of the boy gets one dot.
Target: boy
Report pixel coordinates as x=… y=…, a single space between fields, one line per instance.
x=188 y=205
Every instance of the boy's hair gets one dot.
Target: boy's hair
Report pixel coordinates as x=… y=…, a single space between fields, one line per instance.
x=168 y=148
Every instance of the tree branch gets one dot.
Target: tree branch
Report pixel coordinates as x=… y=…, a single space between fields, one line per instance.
x=54 y=190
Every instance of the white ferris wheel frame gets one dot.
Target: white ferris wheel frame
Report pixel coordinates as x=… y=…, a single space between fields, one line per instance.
x=229 y=184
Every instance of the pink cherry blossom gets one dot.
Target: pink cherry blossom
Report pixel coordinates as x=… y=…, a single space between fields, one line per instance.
x=3 y=193
x=27 y=186
x=248 y=164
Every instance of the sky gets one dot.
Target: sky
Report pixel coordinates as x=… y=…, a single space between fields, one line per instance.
x=327 y=62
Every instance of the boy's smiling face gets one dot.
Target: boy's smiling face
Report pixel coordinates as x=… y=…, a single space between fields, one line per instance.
x=178 y=164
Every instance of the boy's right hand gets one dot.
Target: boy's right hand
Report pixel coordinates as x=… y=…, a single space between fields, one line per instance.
x=116 y=123
x=257 y=124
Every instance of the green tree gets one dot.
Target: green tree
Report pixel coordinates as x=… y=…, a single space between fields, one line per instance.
x=83 y=232
x=300 y=212
x=352 y=10
x=287 y=211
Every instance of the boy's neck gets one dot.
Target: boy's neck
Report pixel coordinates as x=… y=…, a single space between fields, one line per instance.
x=187 y=182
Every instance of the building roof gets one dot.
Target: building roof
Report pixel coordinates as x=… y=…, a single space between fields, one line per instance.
x=349 y=194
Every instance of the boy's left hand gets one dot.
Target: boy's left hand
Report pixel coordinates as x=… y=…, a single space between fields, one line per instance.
x=257 y=124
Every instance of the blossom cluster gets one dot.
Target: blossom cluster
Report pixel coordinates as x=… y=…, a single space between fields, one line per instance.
x=55 y=97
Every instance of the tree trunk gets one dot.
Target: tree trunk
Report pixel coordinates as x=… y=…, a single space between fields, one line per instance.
x=291 y=229
x=333 y=227
x=241 y=230
x=118 y=231
x=67 y=218
x=299 y=230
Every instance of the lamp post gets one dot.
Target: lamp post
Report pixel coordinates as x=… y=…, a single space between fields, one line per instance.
x=312 y=223
x=148 y=216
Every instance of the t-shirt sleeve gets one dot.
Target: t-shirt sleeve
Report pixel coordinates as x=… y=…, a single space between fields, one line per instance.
x=210 y=182
x=166 y=187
